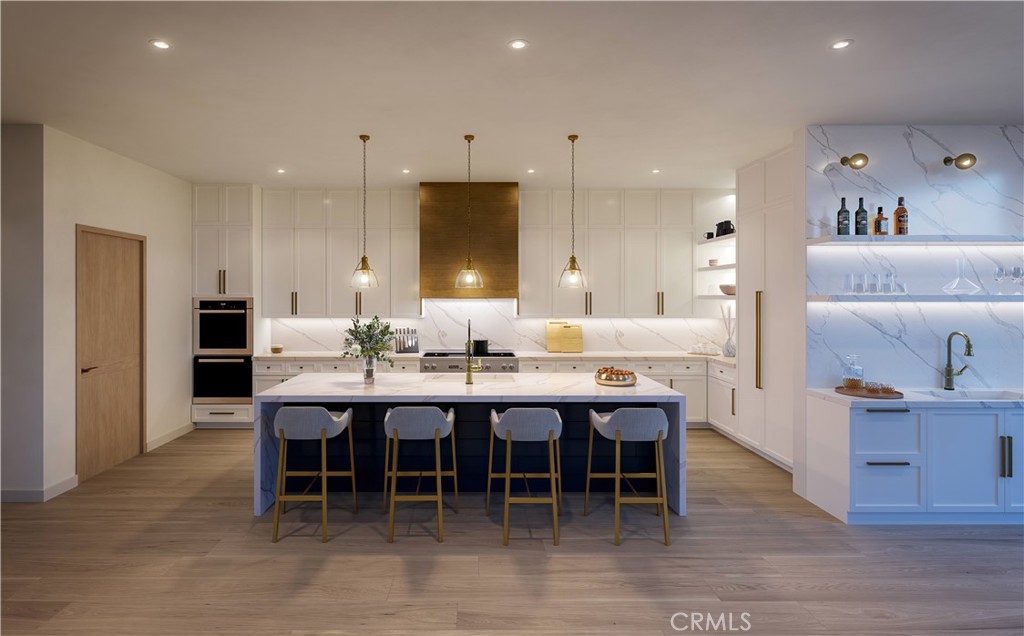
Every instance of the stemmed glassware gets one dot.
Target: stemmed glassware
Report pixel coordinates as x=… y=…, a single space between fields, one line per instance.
x=998 y=275
x=1017 y=276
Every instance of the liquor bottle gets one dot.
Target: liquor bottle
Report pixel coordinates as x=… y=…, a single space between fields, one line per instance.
x=843 y=219
x=860 y=219
x=881 y=225
x=900 y=217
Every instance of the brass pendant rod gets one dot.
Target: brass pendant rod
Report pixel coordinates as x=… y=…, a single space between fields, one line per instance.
x=365 y=138
x=572 y=196
x=469 y=198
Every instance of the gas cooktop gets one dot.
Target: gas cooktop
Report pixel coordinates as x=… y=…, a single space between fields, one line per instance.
x=462 y=354
x=455 y=361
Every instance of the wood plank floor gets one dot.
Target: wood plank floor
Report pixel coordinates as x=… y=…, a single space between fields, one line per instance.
x=166 y=544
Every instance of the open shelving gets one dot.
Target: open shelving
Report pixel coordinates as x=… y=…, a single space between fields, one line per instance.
x=919 y=239
x=915 y=298
x=715 y=297
x=716 y=268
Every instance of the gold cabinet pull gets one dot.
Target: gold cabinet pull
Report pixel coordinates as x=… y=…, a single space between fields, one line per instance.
x=734 y=400
x=757 y=339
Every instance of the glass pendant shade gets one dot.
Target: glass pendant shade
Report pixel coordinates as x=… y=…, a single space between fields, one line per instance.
x=363 y=276
x=572 y=276
x=469 y=277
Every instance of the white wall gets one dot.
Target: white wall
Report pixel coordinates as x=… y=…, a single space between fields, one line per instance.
x=21 y=429
x=86 y=184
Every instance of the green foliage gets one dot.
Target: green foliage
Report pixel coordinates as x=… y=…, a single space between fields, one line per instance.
x=369 y=340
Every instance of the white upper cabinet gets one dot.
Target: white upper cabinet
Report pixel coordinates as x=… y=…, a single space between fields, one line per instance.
x=377 y=301
x=343 y=252
x=405 y=271
x=641 y=208
x=309 y=208
x=277 y=208
x=310 y=272
x=561 y=208
x=566 y=302
x=378 y=208
x=343 y=208
x=405 y=208
x=750 y=187
x=534 y=209
x=538 y=272
x=676 y=208
x=604 y=208
x=278 y=269
x=642 y=292
x=675 y=272
x=605 y=273
x=222 y=238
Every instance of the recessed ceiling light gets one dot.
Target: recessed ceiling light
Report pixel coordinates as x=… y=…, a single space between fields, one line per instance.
x=842 y=44
x=406 y=171
x=280 y=171
x=655 y=171
x=160 y=44
x=518 y=44
x=531 y=170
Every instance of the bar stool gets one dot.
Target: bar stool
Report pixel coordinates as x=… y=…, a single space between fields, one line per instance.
x=631 y=425
x=527 y=425
x=308 y=423
x=418 y=423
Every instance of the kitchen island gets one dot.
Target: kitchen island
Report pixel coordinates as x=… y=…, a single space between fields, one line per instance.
x=576 y=391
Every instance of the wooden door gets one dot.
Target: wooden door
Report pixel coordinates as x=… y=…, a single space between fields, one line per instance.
x=110 y=343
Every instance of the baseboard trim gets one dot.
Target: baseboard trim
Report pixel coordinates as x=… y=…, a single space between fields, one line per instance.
x=757 y=451
x=693 y=425
x=39 y=496
x=934 y=518
x=163 y=439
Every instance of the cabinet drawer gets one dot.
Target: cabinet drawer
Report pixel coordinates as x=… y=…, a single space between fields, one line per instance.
x=688 y=368
x=888 y=433
x=886 y=486
x=579 y=366
x=648 y=368
x=222 y=413
x=268 y=368
x=536 y=367
x=301 y=367
x=342 y=366
x=402 y=367
x=724 y=373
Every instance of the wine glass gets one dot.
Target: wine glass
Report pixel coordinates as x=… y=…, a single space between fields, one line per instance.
x=1017 y=274
x=999 y=275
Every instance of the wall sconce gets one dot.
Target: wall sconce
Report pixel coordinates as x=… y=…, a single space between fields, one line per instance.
x=856 y=161
x=963 y=161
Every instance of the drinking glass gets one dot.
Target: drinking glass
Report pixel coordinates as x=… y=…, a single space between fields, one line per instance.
x=999 y=275
x=1017 y=275
x=874 y=283
x=860 y=283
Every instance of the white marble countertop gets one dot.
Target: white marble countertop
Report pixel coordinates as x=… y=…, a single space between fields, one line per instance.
x=525 y=356
x=444 y=387
x=923 y=398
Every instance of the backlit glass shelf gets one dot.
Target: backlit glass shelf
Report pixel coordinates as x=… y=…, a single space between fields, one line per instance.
x=919 y=239
x=916 y=298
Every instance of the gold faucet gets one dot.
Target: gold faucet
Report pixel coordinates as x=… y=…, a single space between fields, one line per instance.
x=470 y=367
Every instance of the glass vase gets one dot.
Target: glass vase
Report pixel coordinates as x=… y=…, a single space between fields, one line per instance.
x=369 y=370
x=729 y=348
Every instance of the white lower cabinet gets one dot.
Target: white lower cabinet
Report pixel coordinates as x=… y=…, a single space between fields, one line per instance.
x=264 y=382
x=722 y=404
x=900 y=465
x=221 y=413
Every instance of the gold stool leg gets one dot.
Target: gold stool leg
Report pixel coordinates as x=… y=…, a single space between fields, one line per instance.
x=323 y=484
x=387 y=467
x=394 y=479
x=618 y=486
x=352 y=467
x=664 y=491
x=455 y=472
x=281 y=459
x=660 y=492
x=590 y=454
x=437 y=476
x=558 y=463
x=554 y=485
x=508 y=483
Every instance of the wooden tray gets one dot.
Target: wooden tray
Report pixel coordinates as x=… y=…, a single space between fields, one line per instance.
x=863 y=393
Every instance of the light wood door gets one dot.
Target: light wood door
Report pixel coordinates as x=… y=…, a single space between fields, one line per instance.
x=110 y=324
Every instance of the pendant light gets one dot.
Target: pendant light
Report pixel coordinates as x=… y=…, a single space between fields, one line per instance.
x=469 y=277
x=363 y=276
x=572 y=276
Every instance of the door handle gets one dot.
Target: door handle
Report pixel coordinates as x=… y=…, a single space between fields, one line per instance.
x=887 y=463
x=88 y=369
x=886 y=410
x=224 y=277
x=220 y=360
x=757 y=339
x=1009 y=455
x=1002 y=456
x=734 y=400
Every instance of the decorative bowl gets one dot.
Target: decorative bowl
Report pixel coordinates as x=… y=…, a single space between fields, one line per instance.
x=276 y=348
x=608 y=376
x=728 y=290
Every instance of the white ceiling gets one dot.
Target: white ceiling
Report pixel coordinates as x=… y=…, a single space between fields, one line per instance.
x=693 y=89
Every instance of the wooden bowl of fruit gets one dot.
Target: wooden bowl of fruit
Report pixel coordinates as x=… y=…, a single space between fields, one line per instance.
x=609 y=376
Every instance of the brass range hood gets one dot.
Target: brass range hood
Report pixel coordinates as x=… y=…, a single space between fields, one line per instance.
x=495 y=238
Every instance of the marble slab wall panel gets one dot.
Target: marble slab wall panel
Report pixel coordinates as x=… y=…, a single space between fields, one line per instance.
x=905 y=343
x=907 y=161
x=443 y=326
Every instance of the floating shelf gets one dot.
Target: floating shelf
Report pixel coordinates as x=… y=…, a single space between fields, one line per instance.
x=715 y=297
x=719 y=239
x=921 y=239
x=916 y=298
x=716 y=268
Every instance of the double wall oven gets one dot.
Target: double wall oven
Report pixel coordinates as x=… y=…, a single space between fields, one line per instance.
x=222 y=350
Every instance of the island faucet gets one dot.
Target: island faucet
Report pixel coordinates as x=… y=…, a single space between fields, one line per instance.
x=949 y=373
x=470 y=367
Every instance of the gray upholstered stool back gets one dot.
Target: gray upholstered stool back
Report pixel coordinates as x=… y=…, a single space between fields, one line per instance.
x=418 y=422
x=306 y=422
x=527 y=424
x=637 y=425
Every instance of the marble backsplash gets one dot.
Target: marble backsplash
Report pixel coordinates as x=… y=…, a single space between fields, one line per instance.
x=443 y=326
x=904 y=343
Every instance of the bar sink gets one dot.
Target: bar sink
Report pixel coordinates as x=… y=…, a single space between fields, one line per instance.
x=976 y=394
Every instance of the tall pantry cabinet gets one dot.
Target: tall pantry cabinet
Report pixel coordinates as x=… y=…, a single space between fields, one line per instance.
x=767 y=296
